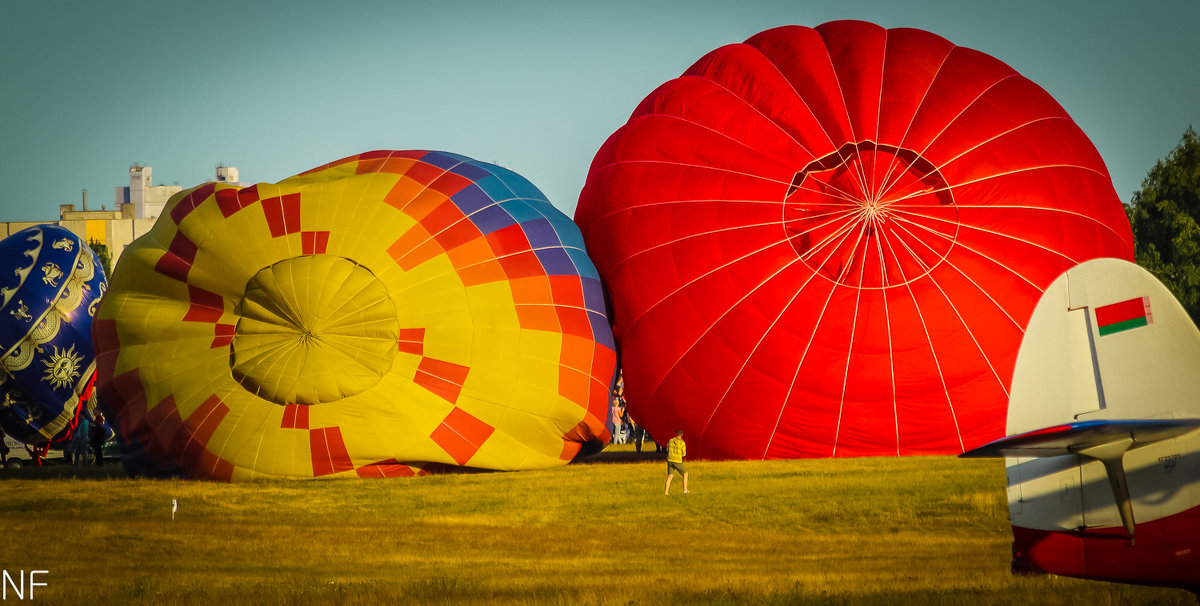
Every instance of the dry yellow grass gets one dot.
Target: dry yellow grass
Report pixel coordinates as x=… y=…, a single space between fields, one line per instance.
x=907 y=531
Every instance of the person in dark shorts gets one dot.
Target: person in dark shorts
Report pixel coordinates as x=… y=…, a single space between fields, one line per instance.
x=676 y=451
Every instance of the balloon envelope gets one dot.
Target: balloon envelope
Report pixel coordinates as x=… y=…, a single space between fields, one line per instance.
x=388 y=314
x=827 y=242
x=50 y=285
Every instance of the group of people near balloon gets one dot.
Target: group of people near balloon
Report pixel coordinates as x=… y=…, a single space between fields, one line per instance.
x=819 y=242
x=623 y=428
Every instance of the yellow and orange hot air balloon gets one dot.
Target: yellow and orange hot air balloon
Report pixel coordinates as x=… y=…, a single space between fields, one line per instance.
x=388 y=314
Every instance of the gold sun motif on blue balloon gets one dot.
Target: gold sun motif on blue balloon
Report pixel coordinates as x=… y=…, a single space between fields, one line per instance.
x=62 y=368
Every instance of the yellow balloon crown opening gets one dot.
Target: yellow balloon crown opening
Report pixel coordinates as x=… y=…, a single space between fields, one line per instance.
x=313 y=329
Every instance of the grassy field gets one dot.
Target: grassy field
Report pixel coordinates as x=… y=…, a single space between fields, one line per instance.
x=887 y=531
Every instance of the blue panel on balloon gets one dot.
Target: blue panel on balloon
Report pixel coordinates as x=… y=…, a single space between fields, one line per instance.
x=443 y=159
x=541 y=234
x=496 y=188
x=525 y=210
x=471 y=170
x=491 y=219
x=471 y=199
x=556 y=261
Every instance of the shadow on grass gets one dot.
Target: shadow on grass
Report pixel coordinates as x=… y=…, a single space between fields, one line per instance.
x=57 y=470
x=622 y=456
x=1095 y=593
x=61 y=471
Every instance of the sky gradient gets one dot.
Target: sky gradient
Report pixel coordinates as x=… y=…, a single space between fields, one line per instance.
x=275 y=89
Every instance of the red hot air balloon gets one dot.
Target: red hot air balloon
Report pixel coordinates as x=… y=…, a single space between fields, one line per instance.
x=828 y=241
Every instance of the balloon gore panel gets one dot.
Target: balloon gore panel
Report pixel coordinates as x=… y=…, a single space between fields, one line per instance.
x=389 y=314
x=827 y=241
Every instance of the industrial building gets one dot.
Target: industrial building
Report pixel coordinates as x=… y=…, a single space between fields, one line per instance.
x=135 y=209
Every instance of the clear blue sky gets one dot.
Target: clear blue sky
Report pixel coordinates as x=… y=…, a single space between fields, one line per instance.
x=276 y=88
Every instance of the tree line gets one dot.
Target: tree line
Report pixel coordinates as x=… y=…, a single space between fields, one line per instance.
x=1165 y=216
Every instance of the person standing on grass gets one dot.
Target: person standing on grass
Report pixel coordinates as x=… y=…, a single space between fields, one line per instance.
x=79 y=442
x=619 y=417
x=638 y=433
x=618 y=435
x=676 y=451
x=96 y=437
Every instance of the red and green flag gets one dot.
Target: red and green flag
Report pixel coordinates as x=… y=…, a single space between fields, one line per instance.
x=1125 y=315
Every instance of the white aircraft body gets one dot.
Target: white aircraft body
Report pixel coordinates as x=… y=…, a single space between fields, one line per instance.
x=1103 y=460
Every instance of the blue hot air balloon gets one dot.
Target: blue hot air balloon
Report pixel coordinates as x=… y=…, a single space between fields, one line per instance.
x=50 y=286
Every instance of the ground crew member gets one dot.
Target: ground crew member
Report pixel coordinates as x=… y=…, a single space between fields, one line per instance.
x=676 y=451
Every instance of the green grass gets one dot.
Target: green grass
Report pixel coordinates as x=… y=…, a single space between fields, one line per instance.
x=889 y=531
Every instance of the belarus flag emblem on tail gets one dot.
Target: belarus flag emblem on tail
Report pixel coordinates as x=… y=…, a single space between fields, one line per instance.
x=1125 y=315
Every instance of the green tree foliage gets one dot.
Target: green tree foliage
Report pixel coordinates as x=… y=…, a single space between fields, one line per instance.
x=102 y=251
x=1165 y=215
